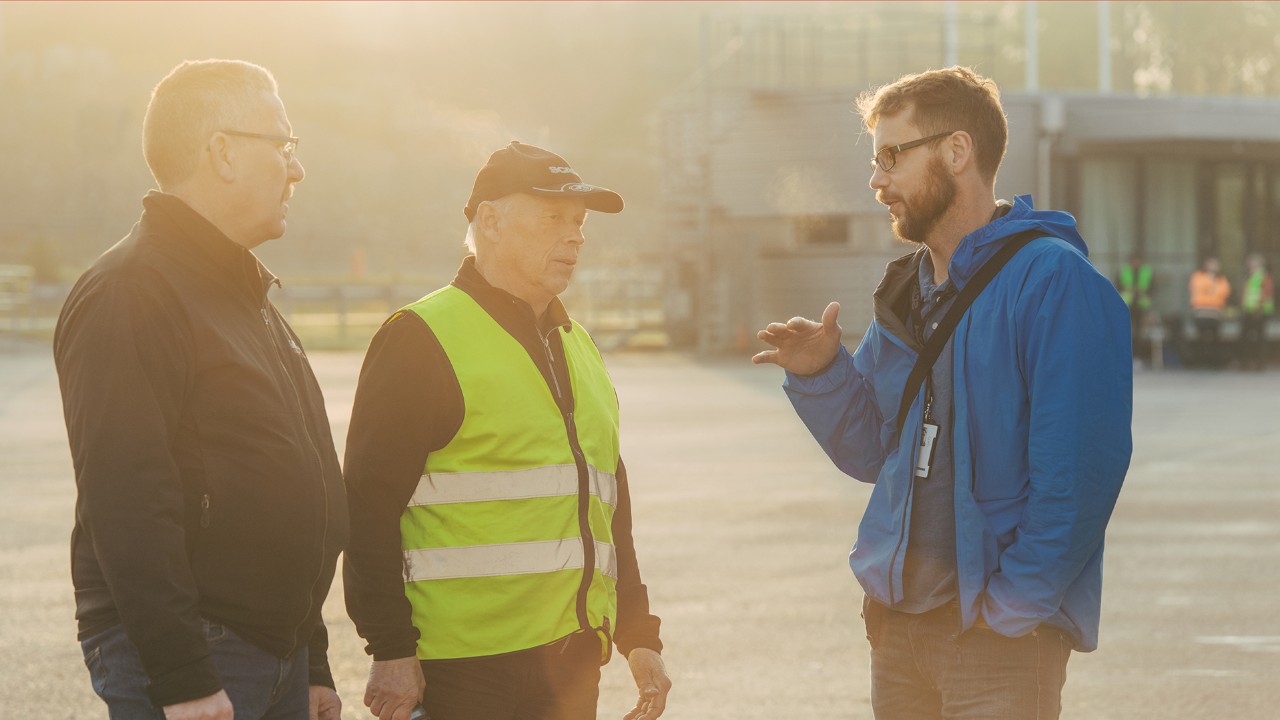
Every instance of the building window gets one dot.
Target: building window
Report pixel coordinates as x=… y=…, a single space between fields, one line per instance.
x=822 y=230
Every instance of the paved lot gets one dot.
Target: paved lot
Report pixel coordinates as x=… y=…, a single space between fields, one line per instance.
x=743 y=528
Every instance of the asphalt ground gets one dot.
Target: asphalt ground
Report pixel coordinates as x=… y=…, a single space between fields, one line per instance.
x=743 y=528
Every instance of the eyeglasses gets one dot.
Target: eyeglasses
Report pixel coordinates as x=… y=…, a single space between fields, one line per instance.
x=887 y=158
x=288 y=145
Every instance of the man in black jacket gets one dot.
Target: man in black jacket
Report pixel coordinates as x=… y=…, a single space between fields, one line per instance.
x=210 y=509
x=491 y=534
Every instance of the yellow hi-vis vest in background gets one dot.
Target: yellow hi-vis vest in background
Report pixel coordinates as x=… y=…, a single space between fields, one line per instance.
x=508 y=539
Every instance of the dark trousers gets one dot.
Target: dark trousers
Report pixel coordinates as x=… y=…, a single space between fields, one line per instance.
x=923 y=668
x=560 y=681
x=1208 y=338
x=1253 y=340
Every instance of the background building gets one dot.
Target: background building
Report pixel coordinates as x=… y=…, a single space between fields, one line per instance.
x=768 y=210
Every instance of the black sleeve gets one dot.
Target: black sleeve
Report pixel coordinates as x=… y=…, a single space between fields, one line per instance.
x=636 y=626
x=408 y=404
x=318 y=672
x=122 y=357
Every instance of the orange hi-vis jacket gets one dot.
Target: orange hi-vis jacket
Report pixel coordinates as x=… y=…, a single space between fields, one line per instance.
x=1208 y=292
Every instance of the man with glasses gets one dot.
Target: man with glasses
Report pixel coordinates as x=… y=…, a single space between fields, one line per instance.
x=997 y=464
x=210 y=509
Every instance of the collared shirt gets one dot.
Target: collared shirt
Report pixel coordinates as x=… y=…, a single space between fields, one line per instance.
x=929 y=575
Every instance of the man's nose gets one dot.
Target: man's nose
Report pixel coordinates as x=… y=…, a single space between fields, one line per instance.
x=575 y=236
x=296 y=171
x=879 y=178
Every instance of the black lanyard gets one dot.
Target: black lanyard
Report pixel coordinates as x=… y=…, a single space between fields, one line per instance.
x=929 y=354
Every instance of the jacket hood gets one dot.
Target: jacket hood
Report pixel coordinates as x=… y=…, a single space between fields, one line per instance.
x=978 y=246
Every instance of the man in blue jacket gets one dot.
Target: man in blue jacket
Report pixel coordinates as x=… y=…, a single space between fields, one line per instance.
x=980 y=551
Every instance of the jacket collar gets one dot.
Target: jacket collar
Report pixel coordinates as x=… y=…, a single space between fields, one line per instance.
x=504 y=306
x=894 y=297
x=187 y=234
x=978 y=246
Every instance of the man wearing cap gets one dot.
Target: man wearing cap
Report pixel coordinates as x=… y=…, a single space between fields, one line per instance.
x=491 y=566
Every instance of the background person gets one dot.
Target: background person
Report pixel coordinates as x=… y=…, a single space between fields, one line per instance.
x=210 y=509
x=491 y=559
x=1257 y=304
x=980 y=551
x=1209 y=293
x=1134 y=281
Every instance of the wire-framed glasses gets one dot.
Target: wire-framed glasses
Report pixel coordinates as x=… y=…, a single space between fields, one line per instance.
x=288 y=145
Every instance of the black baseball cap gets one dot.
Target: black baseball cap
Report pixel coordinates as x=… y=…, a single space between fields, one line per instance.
x=525 y=168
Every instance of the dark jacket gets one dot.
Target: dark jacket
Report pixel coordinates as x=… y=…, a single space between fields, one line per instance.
x=408 y=404
x=208 y=485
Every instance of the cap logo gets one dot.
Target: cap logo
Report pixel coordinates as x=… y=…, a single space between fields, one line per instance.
x=565 y=170
x=579 y=187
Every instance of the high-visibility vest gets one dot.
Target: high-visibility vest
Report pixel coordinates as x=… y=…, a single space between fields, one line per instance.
x=508 y=539
x=1207 y=292
x=1139 y=286
x=1258 y=295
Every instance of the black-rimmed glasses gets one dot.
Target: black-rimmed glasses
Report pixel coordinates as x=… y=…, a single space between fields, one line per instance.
x=288 y=145
x=888 y=157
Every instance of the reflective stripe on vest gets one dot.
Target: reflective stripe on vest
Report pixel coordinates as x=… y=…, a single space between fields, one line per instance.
x=493 y=545
x=444 y=488
x=544 y=556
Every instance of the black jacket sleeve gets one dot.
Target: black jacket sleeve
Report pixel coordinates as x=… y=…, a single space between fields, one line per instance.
x=123 y=360
x=318 y=672
x=636 y=626
x=407 y=405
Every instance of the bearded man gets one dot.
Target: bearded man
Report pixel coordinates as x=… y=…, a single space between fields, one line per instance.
x=997 y=451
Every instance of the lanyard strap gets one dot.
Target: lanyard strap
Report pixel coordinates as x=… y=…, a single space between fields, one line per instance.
x=969 y=293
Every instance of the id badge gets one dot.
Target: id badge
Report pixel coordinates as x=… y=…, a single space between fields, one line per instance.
x=924 y=458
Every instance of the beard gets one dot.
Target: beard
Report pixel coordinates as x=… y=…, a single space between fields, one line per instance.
x=921 y=213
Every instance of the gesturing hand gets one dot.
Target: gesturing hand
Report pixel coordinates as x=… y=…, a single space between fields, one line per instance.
x=802 y=346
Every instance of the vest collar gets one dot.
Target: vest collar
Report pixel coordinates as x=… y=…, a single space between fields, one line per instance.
x=500 y=304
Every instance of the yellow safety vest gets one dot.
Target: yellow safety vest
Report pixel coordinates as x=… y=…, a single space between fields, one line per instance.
x=496 y=558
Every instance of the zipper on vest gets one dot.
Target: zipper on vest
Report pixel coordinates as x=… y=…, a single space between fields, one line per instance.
x=584 y=492
x=324 y=490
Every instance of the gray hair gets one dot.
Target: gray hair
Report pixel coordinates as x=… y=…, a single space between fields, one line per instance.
x=195 y=100
x=501 y=205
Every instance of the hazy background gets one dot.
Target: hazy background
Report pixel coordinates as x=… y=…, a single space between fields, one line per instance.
x=398 y=104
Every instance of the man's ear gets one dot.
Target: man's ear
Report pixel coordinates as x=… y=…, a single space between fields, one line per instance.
x=487 y=221
x=219 y=156
x=961 y=151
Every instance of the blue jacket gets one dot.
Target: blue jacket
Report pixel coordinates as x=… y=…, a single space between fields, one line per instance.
x=1043 y=399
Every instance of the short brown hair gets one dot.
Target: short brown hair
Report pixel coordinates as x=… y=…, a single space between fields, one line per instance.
x=955 y=98
x=195 y=100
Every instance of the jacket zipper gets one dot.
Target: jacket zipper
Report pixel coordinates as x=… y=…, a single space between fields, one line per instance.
x=584 y=492
x=324 y=490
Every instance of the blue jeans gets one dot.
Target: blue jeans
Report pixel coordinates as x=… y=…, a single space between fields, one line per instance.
x=260 y=685
x=923 y=668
